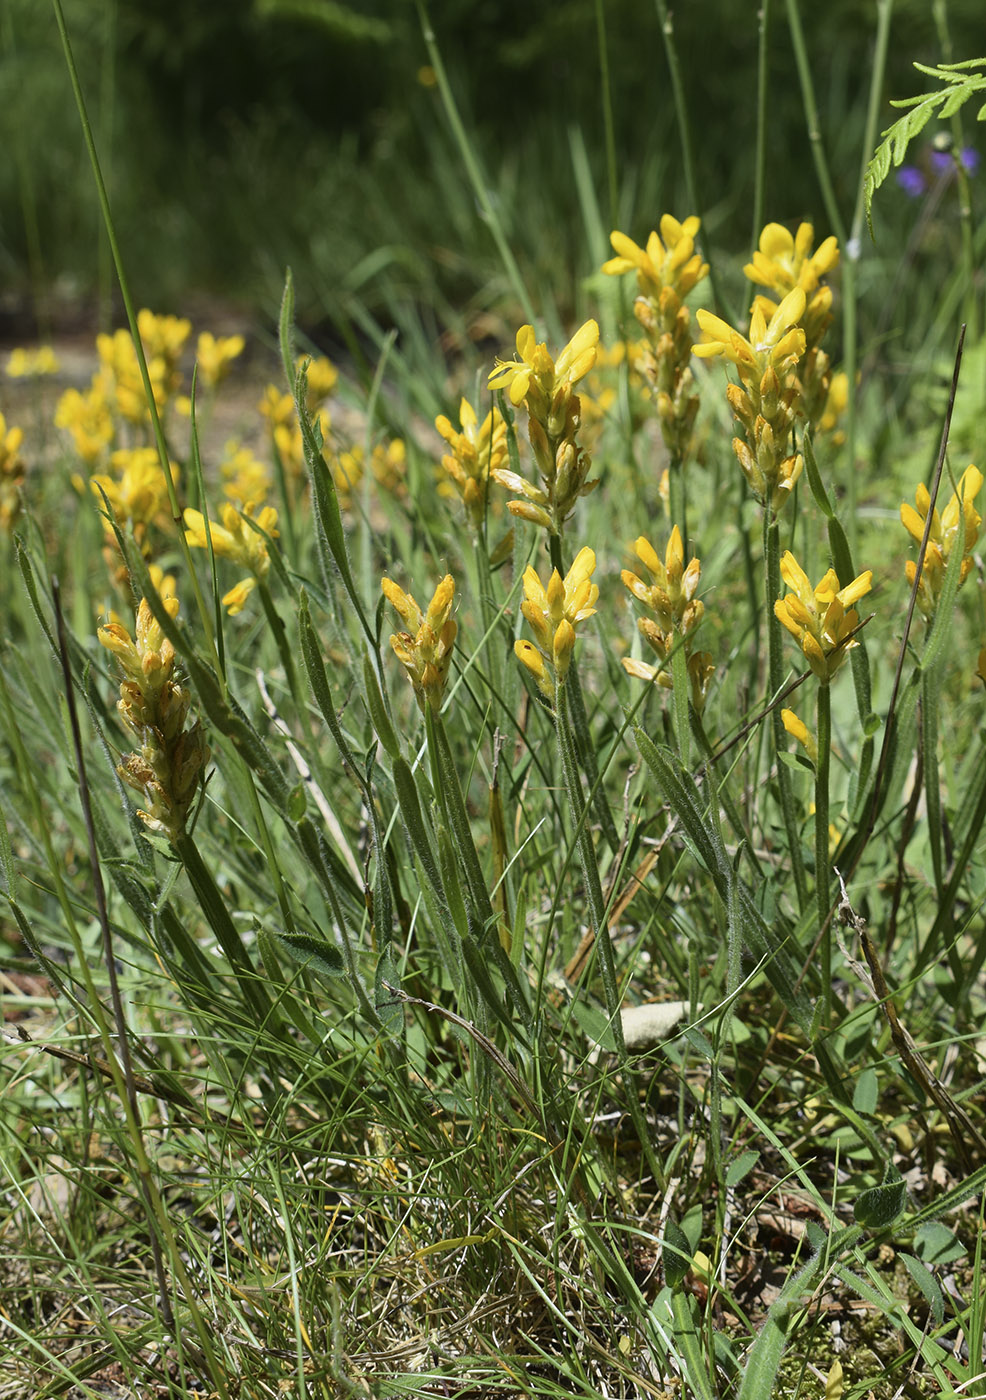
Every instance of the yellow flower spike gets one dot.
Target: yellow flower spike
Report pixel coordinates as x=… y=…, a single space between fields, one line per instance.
x=425 y=651
x=784 y=261
x=215 y=355
x=138 y=490
x=820 y=618
x=672 y=263
x=778 y=344
x=534 y=362
x=162 y=336
x=31 y=364
x=554 y=611
x=959 y=518
x=168 y=768
x=86 y=416
x=246 y=480
x=477 y=452
x=236 y=538
x=800 y=731
x=671 y=594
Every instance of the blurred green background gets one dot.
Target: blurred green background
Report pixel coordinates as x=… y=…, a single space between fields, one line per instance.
x=244 y=135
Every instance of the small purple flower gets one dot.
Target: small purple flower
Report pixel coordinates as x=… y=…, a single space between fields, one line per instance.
x=935 y=166
x=911 y=181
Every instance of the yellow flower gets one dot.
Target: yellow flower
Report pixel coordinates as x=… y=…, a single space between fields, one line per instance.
x=671 y=596
x=162 y=337
x=214 y=356
x=676 y=612
x=167 y=768
x=477 y=450
x=536 y=367
x=959 y=517
x=138 y=490
x=239 y=537
x=242 y=537
x=11 y=473
x=86 y=416
x=776 y=345
x=425 y=650
x=148 y=657
x=820 y=618
x=671 y=263
x=246 y=480
x=29 y=364
x=553 y=613
x=800 y=731
x=784 y=261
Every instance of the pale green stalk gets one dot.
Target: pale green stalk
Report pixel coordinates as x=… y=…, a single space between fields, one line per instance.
x=760 y=174
x=471 y=163
x=851 y=255
x=600 y=923
x=684 y=125
x=775 y=679
x=822 y=767
x=580 y=724
x=159 y=439
x=606 y=96
x=966 y=229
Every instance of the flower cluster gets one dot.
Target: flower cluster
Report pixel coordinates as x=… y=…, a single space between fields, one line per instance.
x=674 y=614
x=820 y=618
x=476 y=451
x=553 y=611
x=785 y=261
x=136 y=490
x=168 y=766
x=765 y=402
x=32 y=364
x=11 y=474
x=667 y=269
x=425 y=650
x=958 y=522
x=243 y=537
x=547 y=388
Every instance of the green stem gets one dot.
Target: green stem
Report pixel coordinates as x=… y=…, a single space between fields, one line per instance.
x=932 y=778
x=600 y=923
x=760 y=175
x=606 y=94
x=580 y=724
x=684 y=126
x=677 y=508
x=775 y=679
x=213 y=906
x=480 y=186
x=966 y=228
x=491 y=614
x=824 y=735
x=811 y=118
x=159 y=438
x=851 y=255
x=281 y=638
